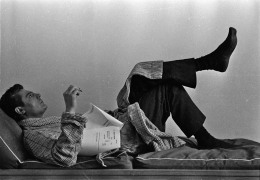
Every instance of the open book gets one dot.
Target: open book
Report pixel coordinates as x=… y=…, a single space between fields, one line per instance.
x=102 y=132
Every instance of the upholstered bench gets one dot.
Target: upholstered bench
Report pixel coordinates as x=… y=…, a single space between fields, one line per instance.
x=243 y=161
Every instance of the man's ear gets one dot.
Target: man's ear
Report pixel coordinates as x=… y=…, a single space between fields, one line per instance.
x=19 y=110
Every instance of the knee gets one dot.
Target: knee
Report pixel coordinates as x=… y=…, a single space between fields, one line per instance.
x=173 y=85
x=173 y=88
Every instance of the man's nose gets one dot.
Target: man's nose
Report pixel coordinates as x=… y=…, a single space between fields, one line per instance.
x=38 y=95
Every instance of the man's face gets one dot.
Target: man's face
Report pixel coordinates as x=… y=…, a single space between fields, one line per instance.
x=33 y=107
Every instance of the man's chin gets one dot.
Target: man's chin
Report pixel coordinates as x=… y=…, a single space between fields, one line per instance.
x=45 y=107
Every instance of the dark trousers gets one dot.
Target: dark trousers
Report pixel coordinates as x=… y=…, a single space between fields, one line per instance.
x=161 y=97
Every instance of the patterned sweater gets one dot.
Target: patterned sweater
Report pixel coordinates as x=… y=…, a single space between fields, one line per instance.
x=57 y=140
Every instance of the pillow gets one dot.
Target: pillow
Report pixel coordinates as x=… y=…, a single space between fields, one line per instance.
x=7 y=159
x=11 y=138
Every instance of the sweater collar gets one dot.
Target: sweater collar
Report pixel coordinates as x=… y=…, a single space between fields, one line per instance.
x=37 y=122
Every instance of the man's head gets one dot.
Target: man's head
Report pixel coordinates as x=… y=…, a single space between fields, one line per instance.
x=20 y=104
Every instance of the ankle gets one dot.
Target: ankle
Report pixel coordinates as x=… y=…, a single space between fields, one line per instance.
x=203 y=136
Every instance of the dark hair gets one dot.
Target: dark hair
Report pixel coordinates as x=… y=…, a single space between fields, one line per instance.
x=9 y=101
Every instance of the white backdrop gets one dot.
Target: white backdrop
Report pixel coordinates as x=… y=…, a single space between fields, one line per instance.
x=46 y=45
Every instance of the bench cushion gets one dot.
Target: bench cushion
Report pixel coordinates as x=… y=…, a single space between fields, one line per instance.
x=244 y=155
x=122 y=161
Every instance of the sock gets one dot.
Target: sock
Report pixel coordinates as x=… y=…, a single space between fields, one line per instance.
x=218 y=60
x=207 y=141
x=203 y=137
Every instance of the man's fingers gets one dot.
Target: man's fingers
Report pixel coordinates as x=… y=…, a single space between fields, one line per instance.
x=72 y=90
x=75 y=92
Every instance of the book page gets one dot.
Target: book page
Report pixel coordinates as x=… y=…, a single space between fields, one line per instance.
x=98 y=118
x=99 y=140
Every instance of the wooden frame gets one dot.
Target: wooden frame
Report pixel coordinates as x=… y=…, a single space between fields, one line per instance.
x=127 y=174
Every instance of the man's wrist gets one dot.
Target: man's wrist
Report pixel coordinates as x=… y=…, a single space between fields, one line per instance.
x=70 y=111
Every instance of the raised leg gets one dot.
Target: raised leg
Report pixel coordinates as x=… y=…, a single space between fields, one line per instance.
x=171 y=98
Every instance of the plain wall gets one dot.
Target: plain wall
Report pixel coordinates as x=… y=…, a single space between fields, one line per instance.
x=46 y=45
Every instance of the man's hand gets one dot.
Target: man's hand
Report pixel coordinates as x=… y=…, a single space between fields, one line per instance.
x=70 y=98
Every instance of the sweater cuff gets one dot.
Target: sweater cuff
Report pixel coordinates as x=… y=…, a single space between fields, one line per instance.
x=78 y=119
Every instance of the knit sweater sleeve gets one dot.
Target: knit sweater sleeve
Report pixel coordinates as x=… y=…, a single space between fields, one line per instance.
x=62 y=150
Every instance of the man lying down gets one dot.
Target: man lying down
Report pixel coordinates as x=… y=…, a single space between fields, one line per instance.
x=152 y=92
